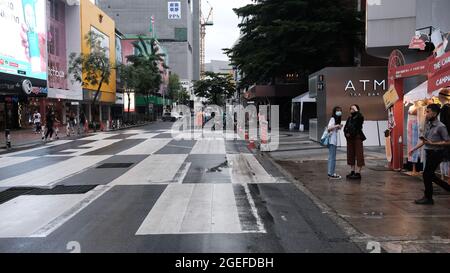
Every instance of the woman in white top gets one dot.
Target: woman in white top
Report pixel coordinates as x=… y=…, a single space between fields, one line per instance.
x=334 y=125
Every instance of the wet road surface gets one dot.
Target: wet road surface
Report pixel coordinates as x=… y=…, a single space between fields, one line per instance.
x=141 y=190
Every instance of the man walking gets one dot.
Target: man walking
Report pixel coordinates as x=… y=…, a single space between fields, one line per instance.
x=435 y=140
x=49 y=122
x=37 y=121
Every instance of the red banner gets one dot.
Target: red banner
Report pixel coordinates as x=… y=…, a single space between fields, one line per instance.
x=440 y=64
x=409 y=70
x=439 y=80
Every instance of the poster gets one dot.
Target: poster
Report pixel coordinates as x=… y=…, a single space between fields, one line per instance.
x=23 y=52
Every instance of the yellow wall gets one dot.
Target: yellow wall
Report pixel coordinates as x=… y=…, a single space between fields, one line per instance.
x=90 y=17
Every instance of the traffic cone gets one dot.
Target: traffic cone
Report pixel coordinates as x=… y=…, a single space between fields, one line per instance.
x=251 y=145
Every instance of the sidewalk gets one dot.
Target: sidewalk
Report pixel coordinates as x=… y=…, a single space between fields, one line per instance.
x=379 y=207
x=27 y=138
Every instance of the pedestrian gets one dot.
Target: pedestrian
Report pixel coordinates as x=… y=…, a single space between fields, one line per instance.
x=334 y=126
x=37 y=121
x=71 y=124
x=436 y=140
x=49 y=122
x=355 y=138
x=82 y=122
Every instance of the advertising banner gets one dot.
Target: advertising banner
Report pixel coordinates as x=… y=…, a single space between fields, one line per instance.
x=24 y=48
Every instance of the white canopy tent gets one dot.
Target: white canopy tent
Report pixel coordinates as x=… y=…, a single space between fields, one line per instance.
x=301 y=99
x=419 y=93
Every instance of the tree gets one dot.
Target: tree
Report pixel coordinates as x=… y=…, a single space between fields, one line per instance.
x=280 y=37
x=130 y=77
x=93 y=68
x=149 y=65
x=174 y=86
x=215 y=87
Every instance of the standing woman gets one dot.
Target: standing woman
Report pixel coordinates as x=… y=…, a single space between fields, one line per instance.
x=355 y=137
x=334 y=125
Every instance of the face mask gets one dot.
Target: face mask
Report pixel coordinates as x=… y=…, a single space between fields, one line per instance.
x=338 y=113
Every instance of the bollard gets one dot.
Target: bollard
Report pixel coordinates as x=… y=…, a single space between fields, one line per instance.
x=8 y=138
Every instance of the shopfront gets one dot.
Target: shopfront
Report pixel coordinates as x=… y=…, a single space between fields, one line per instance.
x=413 y=104
x=345 y=86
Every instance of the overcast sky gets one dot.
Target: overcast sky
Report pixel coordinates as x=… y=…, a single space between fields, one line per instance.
x=225 y=32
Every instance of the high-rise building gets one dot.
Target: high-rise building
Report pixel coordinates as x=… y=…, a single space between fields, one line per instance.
x=176 y=25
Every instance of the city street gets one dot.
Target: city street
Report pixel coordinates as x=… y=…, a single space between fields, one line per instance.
x=142 y=190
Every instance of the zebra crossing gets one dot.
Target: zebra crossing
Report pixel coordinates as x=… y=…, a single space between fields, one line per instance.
x=201 y=179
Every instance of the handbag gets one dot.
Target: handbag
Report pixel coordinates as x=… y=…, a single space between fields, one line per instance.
x=325 y=139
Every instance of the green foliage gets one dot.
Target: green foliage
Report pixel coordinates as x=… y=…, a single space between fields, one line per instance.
x=215 y=87
x=294 y=36
x=94 y=68
x=174 y=86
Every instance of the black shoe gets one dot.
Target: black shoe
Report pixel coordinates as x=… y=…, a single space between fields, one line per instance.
x=357 y=176
x=424 y=201
x=350 y=175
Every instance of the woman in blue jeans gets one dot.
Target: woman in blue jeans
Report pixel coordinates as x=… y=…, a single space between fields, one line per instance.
x=334 y=125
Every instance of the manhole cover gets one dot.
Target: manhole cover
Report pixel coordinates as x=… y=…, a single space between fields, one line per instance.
x=115 y=165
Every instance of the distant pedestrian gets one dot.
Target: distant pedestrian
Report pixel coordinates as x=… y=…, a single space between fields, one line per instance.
x=71 y=124
x=334 y=126
x=49 y=123
x=435 y=140
x=37 y=121
x=355 y=136
x=82 y=122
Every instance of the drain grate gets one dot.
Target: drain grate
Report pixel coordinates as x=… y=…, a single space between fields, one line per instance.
x=114 y=165
x=12 y=193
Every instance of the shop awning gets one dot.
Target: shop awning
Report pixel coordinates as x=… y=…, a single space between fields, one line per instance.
x=419 y=93
x=303 y=98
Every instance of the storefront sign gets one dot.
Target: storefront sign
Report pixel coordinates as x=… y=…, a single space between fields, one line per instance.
x=129 y=99
x=119 y=98
x=439 y=81
x=440 y=64
x=410 y=70
x=371 y=87
x=418 y=41
x=390 y=97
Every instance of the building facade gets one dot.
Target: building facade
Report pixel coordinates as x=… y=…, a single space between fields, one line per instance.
x=175 y=24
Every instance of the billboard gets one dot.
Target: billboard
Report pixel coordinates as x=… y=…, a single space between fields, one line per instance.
x=24 y=48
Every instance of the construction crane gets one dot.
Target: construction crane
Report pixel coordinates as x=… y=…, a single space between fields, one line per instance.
x=204 y=22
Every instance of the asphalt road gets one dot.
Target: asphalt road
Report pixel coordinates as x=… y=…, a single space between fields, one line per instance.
x=143 y=190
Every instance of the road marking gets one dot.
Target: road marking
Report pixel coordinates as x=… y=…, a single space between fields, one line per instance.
x=245 y=168
x=153 y=169
x=8 y=161
x=99 y=136
x=209 y=146
x=147 y=147
x=52 y=174
x=192 y=209
x=90 y=197
x=26 y=214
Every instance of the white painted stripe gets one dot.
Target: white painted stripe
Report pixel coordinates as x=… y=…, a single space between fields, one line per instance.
x=225 y=218
x=24 y=215
x=209 y=146
x=147 y=147
x=47 y=145
x=153 y=169
x=99 y=136
x=92 y=146
x=245 y=168
x=198 y=217
x=8 y=161
x=143 y=136
x=193 y=208
x=50 y=175
x=67 y=215
x=259 y=223
x=167 y=214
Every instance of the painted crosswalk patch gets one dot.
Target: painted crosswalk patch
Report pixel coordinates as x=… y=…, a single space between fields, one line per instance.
x=198 y=208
